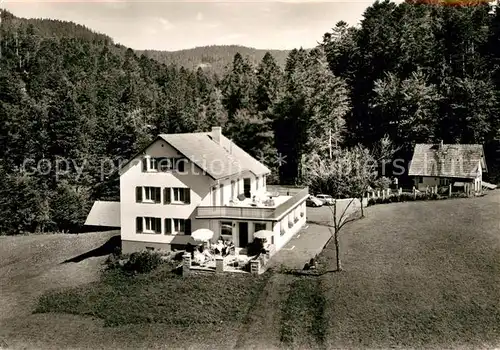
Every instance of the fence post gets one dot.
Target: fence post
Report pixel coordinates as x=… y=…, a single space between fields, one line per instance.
x=449 y=190
x=186 y=264
x=400 y=191
x=219 y=264
x=414 y=193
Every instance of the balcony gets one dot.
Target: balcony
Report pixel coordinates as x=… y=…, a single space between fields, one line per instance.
x=246 y=211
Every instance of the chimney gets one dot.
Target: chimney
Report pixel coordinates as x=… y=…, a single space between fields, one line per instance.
x=216 y=133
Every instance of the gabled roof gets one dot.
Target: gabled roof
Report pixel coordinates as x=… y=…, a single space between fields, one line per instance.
x=447 y=160
x=217 y=160
x=104 y=213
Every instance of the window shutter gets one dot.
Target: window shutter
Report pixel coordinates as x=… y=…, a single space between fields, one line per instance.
x=144 y=164
x=187 y=196
x=158 y=225
x=168 y=226
x=138 y=224
x=187 y=226
x=138 y=194
x=180 y=164
x=158 y=195
x=166 y=195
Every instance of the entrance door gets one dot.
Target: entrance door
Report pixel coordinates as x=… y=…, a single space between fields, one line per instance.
x=243 y=234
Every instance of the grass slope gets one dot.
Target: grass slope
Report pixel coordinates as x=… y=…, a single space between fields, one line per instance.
x=418 y=275
x=161 y=297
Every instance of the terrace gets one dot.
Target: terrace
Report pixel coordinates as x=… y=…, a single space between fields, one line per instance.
x=272 y=208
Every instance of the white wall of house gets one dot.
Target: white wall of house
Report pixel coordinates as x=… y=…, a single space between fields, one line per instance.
x=204 y=191
x=133 y=176
x=280 y=239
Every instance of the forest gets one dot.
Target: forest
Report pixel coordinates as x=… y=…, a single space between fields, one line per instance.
x=412 y=72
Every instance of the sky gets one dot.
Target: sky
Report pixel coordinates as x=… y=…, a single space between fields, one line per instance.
x=176 y=24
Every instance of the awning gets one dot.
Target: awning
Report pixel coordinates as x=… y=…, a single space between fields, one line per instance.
x=104 y=213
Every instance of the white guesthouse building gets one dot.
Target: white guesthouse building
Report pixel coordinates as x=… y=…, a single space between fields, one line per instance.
x=184 y=182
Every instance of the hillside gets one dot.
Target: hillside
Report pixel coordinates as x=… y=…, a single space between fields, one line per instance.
x=214 y=58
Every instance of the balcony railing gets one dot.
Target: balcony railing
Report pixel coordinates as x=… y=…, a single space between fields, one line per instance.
x=292 y=202
x=209 y=212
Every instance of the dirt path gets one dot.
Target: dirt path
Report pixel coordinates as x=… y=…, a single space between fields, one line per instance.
x=262 y=329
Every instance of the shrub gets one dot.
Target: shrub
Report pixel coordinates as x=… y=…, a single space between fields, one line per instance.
x=403 y=197
x=371 y=201
x=382 y=183
x=142 y=262
x=113 y=261
x=256 y=247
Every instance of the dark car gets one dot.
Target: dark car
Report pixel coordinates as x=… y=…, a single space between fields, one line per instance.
x=313 y=202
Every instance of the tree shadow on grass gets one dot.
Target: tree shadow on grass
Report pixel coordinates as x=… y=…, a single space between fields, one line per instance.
x=320 y=223
x=111 y=246
x=309 y=273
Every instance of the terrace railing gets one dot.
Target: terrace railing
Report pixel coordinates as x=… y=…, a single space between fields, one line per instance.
x=234 y=212
x=213 y=212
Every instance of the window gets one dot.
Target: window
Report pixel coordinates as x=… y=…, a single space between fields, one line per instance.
x=178 y=226
x=420 y=179
x=168 y=164
x=152 y=194
x=444 y=181
x=150 y=249
x=246 y=187
x=148 y=225
x=259 y=226
x=221 y=194
x=149 y=164
x=283 y=226
x=148 y=194
x=153 y=164
x=233 y=189
x=177 y=195
x=257 y=184
x=165 y=164
x=226 y=228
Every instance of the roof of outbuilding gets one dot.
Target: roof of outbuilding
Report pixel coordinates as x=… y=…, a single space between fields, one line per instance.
x=104 y=213
x=447 y=160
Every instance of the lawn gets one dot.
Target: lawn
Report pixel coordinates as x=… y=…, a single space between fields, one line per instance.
x=54 y=296
x=422 y=274
x=159 y=297
x=417 y=274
